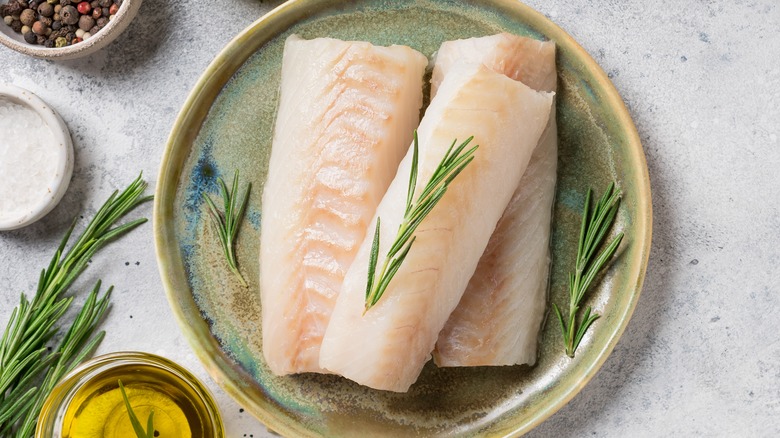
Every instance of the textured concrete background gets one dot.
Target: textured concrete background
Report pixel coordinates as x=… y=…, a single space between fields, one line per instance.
x=701 y=356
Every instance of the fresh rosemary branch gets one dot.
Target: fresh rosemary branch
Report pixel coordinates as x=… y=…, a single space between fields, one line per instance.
x=137 y=427
x=454 y=161
x=228 y=223
x=594 y=228
x=28 y=369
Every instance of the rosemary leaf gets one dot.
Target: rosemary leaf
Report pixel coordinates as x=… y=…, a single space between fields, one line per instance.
x=137 y=427
x=228 y=223
x=453 y=162
x=594 y=228
x=28 y=369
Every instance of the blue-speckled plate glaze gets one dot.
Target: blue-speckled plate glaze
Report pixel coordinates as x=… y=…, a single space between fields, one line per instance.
x=227 y=123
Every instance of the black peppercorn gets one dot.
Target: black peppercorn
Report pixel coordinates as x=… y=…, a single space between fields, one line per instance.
x=94 y=30
x=94 y=4
x=57 y=25
x=46 y=20
x=49 y=43
x=97 y=13
x=16 y=25
x=40 y=39
x=30 y=38
x=65 y=2
x=58 y=33
x=102 y=22
x=69 y=15
x=105 y=3
x=46 y=9
x=15 y=8
x=86 y=22
x=69 y=36
x=106 y=12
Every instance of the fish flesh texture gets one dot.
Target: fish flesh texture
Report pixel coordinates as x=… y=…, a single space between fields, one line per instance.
x=498 y=319
x=523 y=59
x=346 y=116
x=387 y=347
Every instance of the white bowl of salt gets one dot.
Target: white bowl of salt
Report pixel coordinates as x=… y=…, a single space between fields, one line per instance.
x=36 y=157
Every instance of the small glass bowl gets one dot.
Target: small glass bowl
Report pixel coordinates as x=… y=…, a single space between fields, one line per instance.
x=133 y=368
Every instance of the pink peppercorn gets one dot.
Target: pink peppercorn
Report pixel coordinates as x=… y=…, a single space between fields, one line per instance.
x=84 y=8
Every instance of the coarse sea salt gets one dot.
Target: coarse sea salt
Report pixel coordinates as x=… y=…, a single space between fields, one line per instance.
x=29 y=157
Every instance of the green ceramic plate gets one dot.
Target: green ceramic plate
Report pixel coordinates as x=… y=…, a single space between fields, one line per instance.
x=226 y=124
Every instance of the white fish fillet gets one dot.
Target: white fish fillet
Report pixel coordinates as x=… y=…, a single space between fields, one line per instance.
x=346 y=116
x=387 y=347
x=498 y=320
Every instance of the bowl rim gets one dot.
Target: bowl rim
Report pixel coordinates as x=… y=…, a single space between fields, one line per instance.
x=128 y=9
x=169 y=258
x=62 y=138
x=72 y=382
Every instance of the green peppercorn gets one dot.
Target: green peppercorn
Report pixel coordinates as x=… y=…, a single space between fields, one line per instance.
x=46 y=9
x=69 y=15
x=30 y=38
x=60 y=42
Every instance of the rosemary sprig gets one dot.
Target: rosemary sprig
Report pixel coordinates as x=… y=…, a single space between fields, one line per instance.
x=453 y=162
x=593 y=230
x=28 y=369
x=228 y=223
x=137 y=427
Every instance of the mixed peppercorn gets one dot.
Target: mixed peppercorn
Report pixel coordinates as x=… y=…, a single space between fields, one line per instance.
x=58 y=23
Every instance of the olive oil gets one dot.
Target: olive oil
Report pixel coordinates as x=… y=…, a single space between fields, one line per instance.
x=89 y=403
x=98 y=410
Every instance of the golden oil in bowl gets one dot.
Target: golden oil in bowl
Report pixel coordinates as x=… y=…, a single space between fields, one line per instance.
x=88 y=402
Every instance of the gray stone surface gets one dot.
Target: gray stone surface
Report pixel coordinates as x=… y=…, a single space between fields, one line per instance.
x=701 y=356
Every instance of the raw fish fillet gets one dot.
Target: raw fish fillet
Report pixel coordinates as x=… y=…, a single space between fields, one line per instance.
x=346 y=115
x=387 y=347
x=498 y=320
